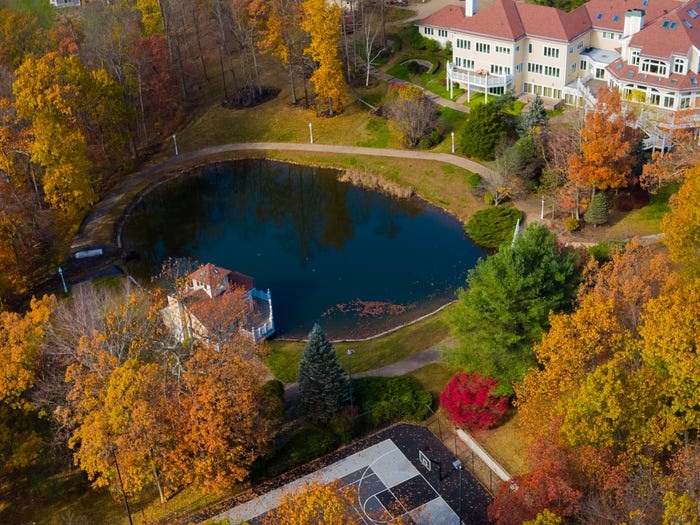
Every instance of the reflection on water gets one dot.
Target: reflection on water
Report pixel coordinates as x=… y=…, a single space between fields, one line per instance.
x=354 y=260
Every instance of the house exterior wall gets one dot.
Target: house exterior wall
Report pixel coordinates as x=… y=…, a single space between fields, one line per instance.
x=616 y=44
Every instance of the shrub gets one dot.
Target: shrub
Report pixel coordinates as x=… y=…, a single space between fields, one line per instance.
x=388 y=399
x=493 y=226
x=470 y=402
x=489 y=199
x=474 y=180
x=631 y=201
x=272 y=394
x=571 y=224
x=425 y=143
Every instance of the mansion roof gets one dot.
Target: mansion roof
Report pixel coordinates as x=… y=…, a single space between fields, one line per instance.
x=627 y=73
x=672 y=33
x=511 y=20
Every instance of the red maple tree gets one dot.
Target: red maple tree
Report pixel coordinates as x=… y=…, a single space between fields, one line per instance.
x=470 y=402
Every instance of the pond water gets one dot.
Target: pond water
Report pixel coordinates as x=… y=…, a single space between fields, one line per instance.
x=356 y=261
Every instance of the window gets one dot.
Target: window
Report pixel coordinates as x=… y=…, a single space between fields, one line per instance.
x=579 y=45
x=679 y=65
x=529 y=48
x=464 y=63
x=551 y=71
x=571 y=50
x=609 y=35
x=599 y=73
x=442 y=33
x=502 y=49
x=654 y=99
x=573 y=67
x=517 y=49
x=655 y=67
x=483 y=48
x=534 y=68
x=497 y=69
x=519 y=67
x=552 y=52
x=634 y=57
x=669 y=101
x=428 y=30
x=583 y=65
x=463 y=44
x=685 y=102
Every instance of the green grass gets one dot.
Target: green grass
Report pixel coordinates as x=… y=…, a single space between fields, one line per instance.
x=646 y=220
x=556 y=112
x=434 y=377
x=475 y=99
x=505 y=444
x=41 y=9
x=379 y=134
x=432 y=81
x=375 y=353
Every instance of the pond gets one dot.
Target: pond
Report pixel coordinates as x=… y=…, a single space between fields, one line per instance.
x=356 y=261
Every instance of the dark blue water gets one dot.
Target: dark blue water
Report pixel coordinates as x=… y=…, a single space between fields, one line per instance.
x=354 y=260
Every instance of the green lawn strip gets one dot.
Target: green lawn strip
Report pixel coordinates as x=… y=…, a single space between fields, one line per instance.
x=646 y=220
x=505 y=444
x=434 y=377
x=283 y=360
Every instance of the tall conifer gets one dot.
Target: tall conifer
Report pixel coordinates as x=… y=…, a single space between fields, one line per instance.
x=323 y=385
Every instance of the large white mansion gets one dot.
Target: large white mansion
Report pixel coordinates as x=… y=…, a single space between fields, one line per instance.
x=649 y=49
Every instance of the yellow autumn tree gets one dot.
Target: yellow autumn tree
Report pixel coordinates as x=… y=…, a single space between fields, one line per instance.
x=316 y=502
x=575 y=345
x=682 y=225
x=47 y=92
x=322 y=22
x=21 y=338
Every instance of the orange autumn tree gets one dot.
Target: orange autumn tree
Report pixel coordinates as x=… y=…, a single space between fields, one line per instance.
x=607 y=145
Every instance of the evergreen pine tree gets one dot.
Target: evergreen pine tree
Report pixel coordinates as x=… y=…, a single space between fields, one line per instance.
x=323 y=385
x=597 y=211
x=536 y=117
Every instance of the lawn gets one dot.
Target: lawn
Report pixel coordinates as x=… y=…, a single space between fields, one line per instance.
x=646 y=220
x=284 y=357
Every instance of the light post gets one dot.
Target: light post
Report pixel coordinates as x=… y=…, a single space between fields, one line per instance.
x=542 y=209
x=453 y=142
x=175 y=142
x=311 y=133
x=60 y=272
x=349 y=353
x=457 y=464
x=113 y=449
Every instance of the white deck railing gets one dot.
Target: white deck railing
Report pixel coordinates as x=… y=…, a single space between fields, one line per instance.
x=486 y=80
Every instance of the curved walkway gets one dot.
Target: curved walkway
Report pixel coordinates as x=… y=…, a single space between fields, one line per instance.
x=100 y=225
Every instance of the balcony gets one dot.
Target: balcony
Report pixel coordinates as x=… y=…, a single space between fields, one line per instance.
x=478 y=79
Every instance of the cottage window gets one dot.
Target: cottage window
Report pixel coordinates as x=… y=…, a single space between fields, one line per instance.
x=483 y=48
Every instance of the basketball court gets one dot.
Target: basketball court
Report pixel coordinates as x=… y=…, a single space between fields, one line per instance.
x=389 y=485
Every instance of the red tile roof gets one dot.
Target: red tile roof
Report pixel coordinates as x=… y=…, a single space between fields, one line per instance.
x=673 y=33
x=626 y=73
x=512 y=20
x=610 y=14
x=213 y=276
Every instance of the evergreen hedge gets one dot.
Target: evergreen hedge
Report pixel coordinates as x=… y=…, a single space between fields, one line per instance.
x=493 y=227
